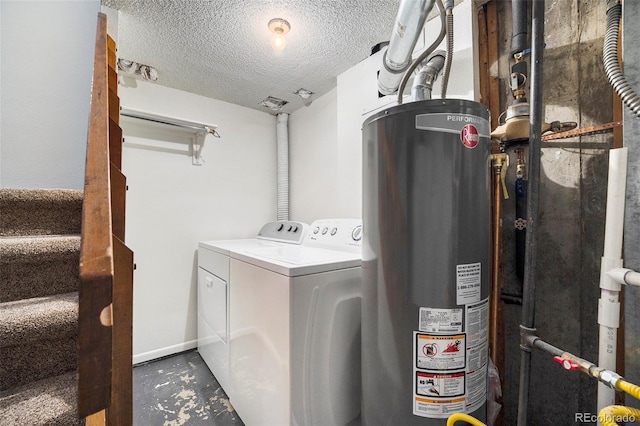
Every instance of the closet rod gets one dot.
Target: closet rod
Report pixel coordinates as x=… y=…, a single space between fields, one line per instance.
x=186 y=124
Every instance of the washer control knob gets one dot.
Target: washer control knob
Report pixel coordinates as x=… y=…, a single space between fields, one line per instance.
x=295 y=228
x=280 y=227
x=316 y=229
x=356 y=234
x=334 y=231
x=290 y=228
x=324 y=230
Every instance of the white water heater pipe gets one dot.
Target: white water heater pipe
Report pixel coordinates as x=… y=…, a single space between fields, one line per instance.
x=608 y=304
x=412 y=14
x=625 y=276
x=282 y=148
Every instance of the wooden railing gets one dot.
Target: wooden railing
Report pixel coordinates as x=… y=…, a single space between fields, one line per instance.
x=106 y=264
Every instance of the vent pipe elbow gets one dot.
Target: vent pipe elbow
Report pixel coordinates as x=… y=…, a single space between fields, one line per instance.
x=409 y=22
x=427 y=75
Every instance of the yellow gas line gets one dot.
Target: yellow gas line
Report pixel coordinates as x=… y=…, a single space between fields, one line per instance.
x=461 y=417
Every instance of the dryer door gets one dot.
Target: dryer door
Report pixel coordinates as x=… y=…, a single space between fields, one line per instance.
x=212 y=302
x=213 y=331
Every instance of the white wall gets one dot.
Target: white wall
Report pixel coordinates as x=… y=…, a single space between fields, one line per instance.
x=172 y=204
x=313 y=169
x=45 y=86
x=326 y=137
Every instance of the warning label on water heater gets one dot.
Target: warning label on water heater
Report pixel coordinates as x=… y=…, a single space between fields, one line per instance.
x=450 y=369
x=440 y=352
x=468 y=283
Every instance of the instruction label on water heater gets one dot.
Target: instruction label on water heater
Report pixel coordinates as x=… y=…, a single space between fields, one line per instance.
x=477 y=328
x=468 y=283
x=440 y=320
x=450 y=369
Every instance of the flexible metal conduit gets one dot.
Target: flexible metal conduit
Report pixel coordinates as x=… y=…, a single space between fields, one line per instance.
x=533 y=201
x=448 y=5
x=282 y=147
x=409 y=22
x=610 y=58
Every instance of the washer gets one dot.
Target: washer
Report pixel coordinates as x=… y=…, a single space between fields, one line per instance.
x=293 y=323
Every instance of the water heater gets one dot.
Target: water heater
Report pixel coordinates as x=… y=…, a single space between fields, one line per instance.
x=426 y=262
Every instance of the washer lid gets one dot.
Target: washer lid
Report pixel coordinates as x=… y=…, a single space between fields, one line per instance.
x=294 y=260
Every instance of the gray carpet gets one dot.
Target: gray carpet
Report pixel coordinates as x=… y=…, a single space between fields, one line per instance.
x=40 y=211
x=49 y=402
x=39 y=258
x=34 y=266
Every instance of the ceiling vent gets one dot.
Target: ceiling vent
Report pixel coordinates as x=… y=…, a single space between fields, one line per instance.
x=303 y=93
x=272 y=103
x=132 y=68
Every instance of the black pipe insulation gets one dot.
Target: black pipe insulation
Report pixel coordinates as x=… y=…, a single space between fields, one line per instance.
x=533 y=203
x=519 y=33
x=546 y=347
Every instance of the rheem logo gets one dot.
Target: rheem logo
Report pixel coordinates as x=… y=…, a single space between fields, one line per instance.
x=469 y=136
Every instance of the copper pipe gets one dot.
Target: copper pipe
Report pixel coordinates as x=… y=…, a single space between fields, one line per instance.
x=496 y=334
x=496 y=320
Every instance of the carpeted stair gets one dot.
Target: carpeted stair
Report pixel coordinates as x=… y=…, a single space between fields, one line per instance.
x=39 y=258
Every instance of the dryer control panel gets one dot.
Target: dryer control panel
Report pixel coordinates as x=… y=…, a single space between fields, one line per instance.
x=336 y=234
x=284 y=232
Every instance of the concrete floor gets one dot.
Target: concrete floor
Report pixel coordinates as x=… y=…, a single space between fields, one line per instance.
x=179 y=390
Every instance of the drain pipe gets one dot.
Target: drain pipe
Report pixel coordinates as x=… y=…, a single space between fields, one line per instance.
x=282 y=150
x=608 y=304
x=427 y=75
x=533 y=202
x=412 y=15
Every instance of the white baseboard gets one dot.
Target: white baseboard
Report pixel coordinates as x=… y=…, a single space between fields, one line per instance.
x=169 y=350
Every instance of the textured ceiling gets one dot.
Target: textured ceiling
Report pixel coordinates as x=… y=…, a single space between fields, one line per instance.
x=221 y=48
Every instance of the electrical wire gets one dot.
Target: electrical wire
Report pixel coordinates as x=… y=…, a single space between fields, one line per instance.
x=449 y=57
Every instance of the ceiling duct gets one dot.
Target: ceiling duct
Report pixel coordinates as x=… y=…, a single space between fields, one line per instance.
x=147 y=72
x=409 y=22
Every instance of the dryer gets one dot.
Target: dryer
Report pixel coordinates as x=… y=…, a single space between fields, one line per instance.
x=213 y=290
x=294 y=326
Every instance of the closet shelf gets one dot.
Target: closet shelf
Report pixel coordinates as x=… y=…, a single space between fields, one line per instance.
x=201 y=130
